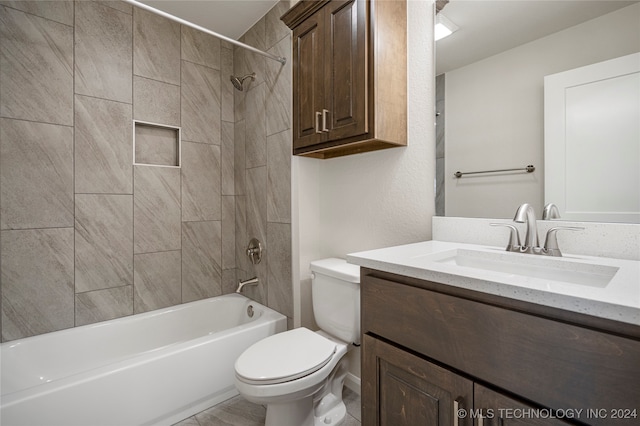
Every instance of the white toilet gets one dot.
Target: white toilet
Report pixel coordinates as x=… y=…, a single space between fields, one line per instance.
x=299 y=374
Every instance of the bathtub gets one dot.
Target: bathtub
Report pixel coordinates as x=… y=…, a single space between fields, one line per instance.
x=155 y=368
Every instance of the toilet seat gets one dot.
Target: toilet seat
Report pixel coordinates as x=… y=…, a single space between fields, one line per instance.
x=284 y=357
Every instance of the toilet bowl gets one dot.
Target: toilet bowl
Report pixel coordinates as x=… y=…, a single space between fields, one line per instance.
x=299 y=374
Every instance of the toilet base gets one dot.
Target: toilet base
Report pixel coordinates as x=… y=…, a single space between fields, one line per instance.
x=333 y=417
x=301 y=413
x=296 y=413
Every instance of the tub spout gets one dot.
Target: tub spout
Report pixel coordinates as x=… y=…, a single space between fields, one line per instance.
x=250 y=281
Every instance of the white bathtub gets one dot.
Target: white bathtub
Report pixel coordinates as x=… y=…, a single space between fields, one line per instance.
x=154 y=368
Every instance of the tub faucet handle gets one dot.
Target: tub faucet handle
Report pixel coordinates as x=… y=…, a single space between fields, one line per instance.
x=254 y=251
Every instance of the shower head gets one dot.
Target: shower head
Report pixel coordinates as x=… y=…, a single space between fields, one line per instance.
x=237 y=81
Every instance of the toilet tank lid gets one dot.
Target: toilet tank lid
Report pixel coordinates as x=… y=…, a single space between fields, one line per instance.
x=337 y=268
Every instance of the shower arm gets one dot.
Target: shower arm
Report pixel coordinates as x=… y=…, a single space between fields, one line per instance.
x=136 y=3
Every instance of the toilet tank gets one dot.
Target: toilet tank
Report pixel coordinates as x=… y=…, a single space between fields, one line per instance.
x=335 y=294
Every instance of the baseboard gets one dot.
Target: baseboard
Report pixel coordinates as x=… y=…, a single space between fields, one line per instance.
x=352 y=382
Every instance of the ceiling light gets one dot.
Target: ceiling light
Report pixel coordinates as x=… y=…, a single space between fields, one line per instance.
x=444 y=27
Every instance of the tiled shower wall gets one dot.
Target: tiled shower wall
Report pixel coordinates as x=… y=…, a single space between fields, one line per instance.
x=262 y=129
x=86 y=236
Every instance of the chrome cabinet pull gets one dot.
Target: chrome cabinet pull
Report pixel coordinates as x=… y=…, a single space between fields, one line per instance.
x=456 y=409
x=318 y=114
x=324 y=120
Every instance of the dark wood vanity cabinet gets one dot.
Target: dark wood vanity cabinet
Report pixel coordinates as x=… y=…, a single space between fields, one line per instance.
x=434 y=354
x=349 y=76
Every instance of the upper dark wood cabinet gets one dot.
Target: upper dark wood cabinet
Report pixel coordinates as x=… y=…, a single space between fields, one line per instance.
x=349 y=76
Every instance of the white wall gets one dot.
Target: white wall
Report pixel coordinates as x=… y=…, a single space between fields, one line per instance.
x=376 y=199
x=494 y=119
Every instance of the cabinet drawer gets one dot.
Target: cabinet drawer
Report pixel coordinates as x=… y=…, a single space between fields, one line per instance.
x=558 y=365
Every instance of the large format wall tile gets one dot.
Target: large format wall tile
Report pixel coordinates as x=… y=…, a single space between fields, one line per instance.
x=156 y=102
x=104 y=241
x=239 y=158
x=275 y=29
x=227 y=153
x=279 y=89
x=37 y=281
x=200 y=103
x=257 y=203
x=200 y=48
x=280 y=292
x=201 y=260
x=156 y=47
x=103 y=146
x=157 y=280
x=226 y=88
x=59 y=11
x=103 y=43
x=253 y=62
x=36 y=68
x=279 y=176
x=256 y=130
x=200 y=182
x=242 y=240
x=103 y=305
x=156 y=211
x=228 y=232
x=36 y=183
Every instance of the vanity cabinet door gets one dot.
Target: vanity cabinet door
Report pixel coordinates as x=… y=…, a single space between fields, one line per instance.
x=500 y=410
x=402 y=389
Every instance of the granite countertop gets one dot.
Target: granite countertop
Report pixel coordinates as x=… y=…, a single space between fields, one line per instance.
x=603 y=287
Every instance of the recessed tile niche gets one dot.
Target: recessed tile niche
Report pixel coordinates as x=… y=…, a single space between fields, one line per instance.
x=156 y=144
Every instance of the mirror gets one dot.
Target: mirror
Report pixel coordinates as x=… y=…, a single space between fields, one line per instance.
x=490 y=92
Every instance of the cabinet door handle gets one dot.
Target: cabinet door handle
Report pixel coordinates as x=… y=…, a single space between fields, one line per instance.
x=324 y=120
x=456 y=409
x=318 y=114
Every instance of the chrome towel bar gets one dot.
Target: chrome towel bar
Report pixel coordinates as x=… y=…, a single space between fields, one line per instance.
x=529 y=169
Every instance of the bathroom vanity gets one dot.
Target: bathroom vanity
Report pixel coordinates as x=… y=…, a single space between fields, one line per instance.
x=461 y=334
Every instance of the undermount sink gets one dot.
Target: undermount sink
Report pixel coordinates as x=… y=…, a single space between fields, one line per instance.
x=532 y=266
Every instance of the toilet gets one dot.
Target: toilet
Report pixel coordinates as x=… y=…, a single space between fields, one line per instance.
x=299 y=374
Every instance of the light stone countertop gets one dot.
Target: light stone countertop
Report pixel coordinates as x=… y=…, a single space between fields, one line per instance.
x=603 y=287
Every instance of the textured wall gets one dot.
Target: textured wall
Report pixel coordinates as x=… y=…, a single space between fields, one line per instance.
x=86 y=236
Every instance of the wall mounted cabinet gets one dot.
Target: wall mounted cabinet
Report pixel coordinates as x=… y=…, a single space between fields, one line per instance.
x=349 y=76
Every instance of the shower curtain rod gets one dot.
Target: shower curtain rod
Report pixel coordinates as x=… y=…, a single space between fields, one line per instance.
x=198 y=27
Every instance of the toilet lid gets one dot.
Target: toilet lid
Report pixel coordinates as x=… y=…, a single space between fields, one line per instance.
x=284 y=357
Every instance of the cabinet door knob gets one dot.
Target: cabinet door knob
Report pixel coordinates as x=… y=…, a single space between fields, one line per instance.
x=318 y=114
x=324 y=120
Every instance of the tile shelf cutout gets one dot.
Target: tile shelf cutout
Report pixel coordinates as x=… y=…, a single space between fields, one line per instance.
x=156 y=145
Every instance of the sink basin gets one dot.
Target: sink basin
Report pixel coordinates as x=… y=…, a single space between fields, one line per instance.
x=532 y=266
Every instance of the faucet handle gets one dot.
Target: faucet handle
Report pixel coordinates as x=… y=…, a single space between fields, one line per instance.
x=514 y=238
x=551 y=241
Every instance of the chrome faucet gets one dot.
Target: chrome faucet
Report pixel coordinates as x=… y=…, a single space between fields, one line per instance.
x=526 y=214
x=250 y=281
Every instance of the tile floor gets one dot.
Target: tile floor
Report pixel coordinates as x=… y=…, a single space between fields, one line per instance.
x=239 y=412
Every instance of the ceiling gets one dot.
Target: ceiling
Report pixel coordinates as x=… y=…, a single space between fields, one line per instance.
x=231 y=18
x=521 y=21
x=488 y=27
